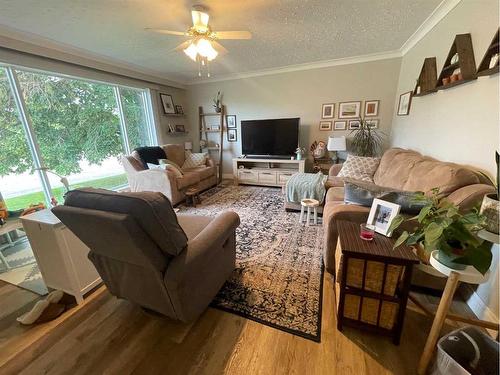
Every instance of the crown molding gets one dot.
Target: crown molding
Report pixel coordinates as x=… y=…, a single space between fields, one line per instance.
x=441 y=11
x=33 y=44
x=299 y=67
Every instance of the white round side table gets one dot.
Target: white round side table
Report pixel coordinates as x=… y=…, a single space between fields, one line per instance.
x=468 y=275
x=310 y=204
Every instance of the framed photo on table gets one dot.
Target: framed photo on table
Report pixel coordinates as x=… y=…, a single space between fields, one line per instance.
x=381 y=215
x=167 y=104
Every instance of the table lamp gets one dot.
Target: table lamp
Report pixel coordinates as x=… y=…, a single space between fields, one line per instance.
x=336 y=144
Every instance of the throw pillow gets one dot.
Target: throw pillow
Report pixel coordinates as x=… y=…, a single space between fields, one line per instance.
x=173 y=168
x=359 y=168
x=156 y=166
x=150 y=154
x=363 y=194
x=194 y=160
x=170 y=162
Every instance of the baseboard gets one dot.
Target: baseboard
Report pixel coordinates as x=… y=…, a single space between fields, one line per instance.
x=478 y=306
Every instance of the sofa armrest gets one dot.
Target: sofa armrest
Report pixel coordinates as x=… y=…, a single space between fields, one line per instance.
x=210 y=162
x=331 y=214
x=153 y=180
x=334 y=170
x=469 y=196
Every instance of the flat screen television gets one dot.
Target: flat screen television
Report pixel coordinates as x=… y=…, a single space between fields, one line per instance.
x=273 y=137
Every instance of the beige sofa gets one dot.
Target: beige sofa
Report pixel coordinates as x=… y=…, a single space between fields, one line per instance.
x=142 y=179
x=405 y=170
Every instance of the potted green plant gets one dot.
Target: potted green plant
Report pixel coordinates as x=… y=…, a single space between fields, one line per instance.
x=217 y=102
x=491 y=205
x=441 y=226
x=366 y=140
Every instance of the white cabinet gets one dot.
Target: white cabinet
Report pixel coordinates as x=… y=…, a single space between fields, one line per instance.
x=61 y=256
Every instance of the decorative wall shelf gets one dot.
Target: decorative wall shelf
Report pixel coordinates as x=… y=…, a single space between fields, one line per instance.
x=204 y=132
x=427 y=78
x=484 y=67
x=462 y=46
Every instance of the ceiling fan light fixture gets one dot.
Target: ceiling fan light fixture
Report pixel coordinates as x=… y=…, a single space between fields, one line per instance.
x=205 y=49
x=191 y=51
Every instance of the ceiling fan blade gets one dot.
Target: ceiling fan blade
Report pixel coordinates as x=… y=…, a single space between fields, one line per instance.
x=168 y=32
x=233 y=35
x=182 y=46
x=219 y=48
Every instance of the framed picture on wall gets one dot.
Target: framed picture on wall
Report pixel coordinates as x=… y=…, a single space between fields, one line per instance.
x=354 y=124
x=340 y=125
x=404 y=104
x=349 y=110
x=372 y=123
x=232 y=135
x=167 y=104
x=325 y=125
x=328 y=110
x=231 y=121
x=371 y=108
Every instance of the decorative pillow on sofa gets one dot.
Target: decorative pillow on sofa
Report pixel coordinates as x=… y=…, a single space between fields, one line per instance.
x=359 y=168
x=194 y=160
x=172 y=164
x=363 y=194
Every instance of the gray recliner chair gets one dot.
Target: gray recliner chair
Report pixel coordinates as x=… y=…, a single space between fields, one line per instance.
x=145 y=253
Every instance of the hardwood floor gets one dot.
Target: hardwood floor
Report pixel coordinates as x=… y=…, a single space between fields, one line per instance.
x=111 y=336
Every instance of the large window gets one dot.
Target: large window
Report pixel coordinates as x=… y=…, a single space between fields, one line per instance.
x=52 y=125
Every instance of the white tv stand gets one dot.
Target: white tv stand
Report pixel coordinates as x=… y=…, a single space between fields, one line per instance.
x=266 y=172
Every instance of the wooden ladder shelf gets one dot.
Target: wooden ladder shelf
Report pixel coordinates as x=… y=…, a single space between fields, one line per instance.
x=204 y=135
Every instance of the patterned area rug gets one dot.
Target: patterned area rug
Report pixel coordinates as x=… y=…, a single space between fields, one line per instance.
x=278 y=279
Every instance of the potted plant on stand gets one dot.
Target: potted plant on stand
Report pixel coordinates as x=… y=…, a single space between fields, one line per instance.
x=440 y=226
x=366 y=140
x=217 y=102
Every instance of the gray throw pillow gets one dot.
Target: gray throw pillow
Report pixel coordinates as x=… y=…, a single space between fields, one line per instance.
x=363 y=193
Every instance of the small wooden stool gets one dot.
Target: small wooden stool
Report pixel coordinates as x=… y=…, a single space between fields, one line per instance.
x=192 y=195
x=309 y=203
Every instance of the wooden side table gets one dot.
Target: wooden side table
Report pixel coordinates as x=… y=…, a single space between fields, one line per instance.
x=192 y=196
x=372 y=281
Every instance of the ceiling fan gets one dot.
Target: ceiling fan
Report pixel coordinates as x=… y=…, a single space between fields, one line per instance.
x=202 y=46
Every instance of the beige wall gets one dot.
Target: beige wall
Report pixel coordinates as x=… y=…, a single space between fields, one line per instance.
x=460 y=124
x=299 y=94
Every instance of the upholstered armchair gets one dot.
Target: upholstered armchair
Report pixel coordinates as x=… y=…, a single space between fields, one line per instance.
x=145 y=253
x=141 y=178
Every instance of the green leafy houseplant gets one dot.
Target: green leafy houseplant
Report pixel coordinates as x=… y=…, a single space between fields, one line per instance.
x=366 y=141
x=441 y=226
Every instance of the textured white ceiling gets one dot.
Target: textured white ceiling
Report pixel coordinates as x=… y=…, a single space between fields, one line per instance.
x=285 y=32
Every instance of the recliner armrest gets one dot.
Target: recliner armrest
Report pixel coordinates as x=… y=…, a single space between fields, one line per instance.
x=215 y=234
x=468 y=196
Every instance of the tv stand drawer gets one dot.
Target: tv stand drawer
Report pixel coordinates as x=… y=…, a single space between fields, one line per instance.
x=283 y=177
x=247 y=175
x=267 y=177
